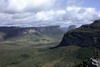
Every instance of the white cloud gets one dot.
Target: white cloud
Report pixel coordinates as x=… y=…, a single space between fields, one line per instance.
x=45 y=12
x=30 y=5
x=50 y=15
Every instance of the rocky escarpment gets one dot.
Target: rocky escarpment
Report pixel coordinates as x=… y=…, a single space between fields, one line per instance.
x=86 y=35
x=9 y=32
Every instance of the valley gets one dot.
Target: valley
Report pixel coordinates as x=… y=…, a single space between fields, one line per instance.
x=49 y=33
x=47 y=47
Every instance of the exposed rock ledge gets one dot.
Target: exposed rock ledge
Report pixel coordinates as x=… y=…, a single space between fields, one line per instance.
x=93 y=63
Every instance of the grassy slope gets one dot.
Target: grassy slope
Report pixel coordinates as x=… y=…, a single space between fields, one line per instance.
x=59 y=57
x=28 y=40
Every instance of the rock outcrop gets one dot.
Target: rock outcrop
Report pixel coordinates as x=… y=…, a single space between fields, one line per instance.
x=2 y=35
x=71 y=27
x=86 y=35
x=93 y=63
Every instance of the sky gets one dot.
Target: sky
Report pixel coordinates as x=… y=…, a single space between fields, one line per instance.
x=35 y=13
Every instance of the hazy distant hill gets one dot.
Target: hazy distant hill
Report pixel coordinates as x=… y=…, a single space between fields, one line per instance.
x=86 y=35
x=68 y=28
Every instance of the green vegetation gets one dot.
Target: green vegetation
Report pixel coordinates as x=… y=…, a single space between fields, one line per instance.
x=28 y=41
x=86 y=35
x=45 y=57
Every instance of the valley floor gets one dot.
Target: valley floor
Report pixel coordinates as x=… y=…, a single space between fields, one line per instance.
x=44 y=57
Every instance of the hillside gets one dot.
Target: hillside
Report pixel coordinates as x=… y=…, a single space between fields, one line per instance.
x=23 y=37
x=86 y=35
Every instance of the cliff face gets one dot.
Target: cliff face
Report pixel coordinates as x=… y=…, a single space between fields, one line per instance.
x=86 y=35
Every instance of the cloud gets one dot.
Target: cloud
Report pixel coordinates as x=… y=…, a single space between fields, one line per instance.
x=13 y=6
x=75 y=3
x=45 y=13
x=50 y=15
x=80 y=13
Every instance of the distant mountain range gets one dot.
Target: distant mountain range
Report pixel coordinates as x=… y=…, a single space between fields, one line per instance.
x=86 y=35
x=10 y=32
x=7 y=33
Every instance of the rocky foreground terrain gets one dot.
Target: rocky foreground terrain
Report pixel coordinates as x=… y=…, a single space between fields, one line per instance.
x=93 y=63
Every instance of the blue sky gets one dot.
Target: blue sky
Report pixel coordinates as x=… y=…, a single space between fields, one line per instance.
x=48 y=12
x=92 y=3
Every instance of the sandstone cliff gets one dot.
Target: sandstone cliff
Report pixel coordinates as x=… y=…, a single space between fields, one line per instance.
x=86 y=35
